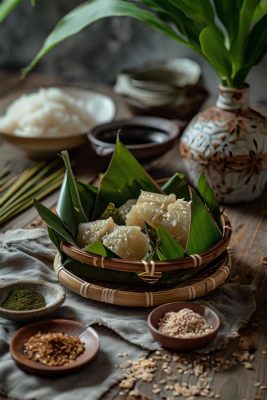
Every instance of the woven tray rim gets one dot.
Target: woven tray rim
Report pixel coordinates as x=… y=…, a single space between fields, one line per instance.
x=124 y=265
x=104 y=294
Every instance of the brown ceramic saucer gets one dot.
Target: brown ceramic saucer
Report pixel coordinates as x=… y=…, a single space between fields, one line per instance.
x=183 y=343
x=87 y=335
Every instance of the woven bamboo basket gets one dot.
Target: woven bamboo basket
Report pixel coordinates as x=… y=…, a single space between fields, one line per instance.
x=152 y=267
x=129 y=296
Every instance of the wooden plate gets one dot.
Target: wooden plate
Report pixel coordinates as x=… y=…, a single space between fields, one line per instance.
x=87 y=335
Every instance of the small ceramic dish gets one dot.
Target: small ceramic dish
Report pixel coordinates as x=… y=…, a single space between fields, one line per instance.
x=102 y=109
x=147 y=138
x=87 y=335
x=175 y=343
x=54 y=297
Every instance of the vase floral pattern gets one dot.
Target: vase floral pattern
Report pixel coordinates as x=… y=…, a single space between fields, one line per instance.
x=228 y=142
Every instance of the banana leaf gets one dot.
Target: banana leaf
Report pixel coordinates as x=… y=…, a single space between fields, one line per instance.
x=209 y=198
x=101 y=250
x=178 y=185
x=123 y=180
x=102 y=274
x=87 y=195
x=204 y=231
x=168 y=248
x=112 y=211
x=54 y=222
x=69 y=205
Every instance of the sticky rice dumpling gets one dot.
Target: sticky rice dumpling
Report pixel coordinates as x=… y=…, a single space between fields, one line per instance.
x=177 y=220
x=127 y=241
x=149 y=208
x=91 y=232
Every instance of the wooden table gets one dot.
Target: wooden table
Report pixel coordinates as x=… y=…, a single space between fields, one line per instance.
x=249 y=241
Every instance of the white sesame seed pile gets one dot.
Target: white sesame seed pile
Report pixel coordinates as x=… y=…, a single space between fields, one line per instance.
x=185 y=324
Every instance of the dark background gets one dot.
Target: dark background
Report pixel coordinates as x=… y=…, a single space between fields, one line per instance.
x=99 y=52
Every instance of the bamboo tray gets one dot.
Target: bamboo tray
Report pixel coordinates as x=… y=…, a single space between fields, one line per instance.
x=129 y=296
x=150 y=267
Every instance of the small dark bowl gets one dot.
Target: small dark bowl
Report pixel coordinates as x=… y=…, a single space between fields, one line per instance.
x=146 y=137
x=174 y=343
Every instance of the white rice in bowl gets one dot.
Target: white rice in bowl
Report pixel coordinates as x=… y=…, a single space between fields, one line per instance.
x=49 y=112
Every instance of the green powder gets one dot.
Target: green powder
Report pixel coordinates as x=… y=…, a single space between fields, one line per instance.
x=23 y=300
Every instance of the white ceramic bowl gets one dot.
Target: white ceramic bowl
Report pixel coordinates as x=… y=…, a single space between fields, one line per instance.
x=102 y=108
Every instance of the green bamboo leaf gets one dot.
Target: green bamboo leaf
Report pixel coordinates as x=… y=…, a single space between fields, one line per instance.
x=123 y=180
x=100 y=249
x=6 y=7
x=55 y=238
x=204 y=231
x=53 y=221
x=177 y=185
x=213 y=47
x=260 y=11
x=69 y=205
x=208 y=196
x=168 y=247
x=87 y=13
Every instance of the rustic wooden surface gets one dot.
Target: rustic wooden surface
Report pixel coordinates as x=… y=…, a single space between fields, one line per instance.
x=249 y=243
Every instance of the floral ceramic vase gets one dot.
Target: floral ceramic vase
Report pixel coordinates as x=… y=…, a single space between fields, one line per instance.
x=228 y=143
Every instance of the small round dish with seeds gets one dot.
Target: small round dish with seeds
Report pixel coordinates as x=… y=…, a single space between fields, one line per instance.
x=54 y=347
x=183 y=326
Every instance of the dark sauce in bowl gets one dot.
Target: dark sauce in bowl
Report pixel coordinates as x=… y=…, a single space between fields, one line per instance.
x=134 y=135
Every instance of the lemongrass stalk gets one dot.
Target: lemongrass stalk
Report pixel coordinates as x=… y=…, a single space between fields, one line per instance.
x=43 y=184
x=9 y=182
x=30 y=183
x=24 y=177
x=4 y=179
x=21 y=207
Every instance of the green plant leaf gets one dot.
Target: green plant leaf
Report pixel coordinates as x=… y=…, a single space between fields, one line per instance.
x=185 y=25
x=168 y=248
x=213 y=47
x=69 y=205
x=200 y=11
x=260 y=11
x=53 y=221
x=6 y=7
x=204 y=231
x=208 y=196
x=177 y=185
x=123 y=180
x=228 y=13
x=101 y=250
x=89 y=12
x=55 y=237
x=240 y=40
x=256 y=48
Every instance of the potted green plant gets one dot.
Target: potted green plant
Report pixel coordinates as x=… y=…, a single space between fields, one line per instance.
x=229 y=141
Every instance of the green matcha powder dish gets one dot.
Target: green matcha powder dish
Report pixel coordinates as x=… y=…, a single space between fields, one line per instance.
x=23 y=300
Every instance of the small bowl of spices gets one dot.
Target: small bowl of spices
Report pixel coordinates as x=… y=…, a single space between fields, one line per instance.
x=183 y=326
x=28 y=300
